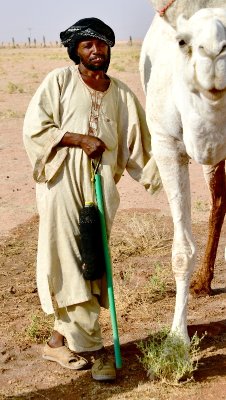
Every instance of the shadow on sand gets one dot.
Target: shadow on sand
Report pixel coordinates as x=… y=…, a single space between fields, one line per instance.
x=132 y=373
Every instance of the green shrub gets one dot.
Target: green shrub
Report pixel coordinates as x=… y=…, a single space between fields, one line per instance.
x=168 y=358
x=40 y=328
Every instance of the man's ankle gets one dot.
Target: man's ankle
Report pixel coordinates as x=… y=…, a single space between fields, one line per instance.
x=56 y=340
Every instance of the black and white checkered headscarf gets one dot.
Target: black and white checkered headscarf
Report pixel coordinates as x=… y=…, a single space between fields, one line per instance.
x=84 y=29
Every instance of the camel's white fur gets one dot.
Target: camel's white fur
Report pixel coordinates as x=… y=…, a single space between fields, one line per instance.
x=185 y=7
x=184 y=76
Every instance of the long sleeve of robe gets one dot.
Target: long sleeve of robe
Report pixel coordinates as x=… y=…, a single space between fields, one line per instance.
x=63 y=104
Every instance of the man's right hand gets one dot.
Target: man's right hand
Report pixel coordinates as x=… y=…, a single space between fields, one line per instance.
x=91 y=145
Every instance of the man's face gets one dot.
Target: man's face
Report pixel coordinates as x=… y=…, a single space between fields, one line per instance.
x=93 y=54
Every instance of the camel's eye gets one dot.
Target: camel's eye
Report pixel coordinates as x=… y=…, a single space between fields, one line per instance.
x=184 y=40
x=182 y=43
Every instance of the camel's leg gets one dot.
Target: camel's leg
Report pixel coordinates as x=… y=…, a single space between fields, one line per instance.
x=172 y=162
x=215 y=177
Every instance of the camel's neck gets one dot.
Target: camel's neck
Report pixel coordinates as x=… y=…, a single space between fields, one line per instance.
x=185 y=7
x=163 y=10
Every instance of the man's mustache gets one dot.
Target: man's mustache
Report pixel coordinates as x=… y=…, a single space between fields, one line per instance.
x=97 y=56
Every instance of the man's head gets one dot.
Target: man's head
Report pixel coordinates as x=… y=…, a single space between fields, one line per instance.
x=84 y=34
x=94 y=54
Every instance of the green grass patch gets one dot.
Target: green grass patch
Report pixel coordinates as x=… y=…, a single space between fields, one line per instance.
x=40 y=328
x=166 y=357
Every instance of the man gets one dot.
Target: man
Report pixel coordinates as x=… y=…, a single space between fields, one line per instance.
x=79 y=114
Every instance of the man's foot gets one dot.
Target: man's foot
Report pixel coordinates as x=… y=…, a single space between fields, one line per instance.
x=103 y=368
x=64 y=356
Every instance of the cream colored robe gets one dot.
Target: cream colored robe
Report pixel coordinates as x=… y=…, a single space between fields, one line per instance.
x=63 y=104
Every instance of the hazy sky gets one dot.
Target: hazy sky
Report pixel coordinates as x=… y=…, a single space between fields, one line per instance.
x=23 y=18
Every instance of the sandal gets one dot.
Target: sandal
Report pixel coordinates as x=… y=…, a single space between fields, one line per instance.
x=64 y=356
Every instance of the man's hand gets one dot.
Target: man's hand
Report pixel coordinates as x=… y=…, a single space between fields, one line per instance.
x=91 y=145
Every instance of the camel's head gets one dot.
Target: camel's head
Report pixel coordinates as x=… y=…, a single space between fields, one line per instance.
x=202 y=43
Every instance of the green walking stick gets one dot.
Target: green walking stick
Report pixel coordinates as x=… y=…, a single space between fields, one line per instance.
x=107 y=257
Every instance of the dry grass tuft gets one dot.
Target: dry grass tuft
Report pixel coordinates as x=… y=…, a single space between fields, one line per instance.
x=142 y=234
x=14 y=88
x=138 y=242
x=40 y=328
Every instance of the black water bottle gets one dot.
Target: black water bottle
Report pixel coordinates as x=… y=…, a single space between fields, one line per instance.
x=92 y=252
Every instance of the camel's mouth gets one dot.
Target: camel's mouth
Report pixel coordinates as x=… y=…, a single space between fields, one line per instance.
x=216 y=92
x=213 y=94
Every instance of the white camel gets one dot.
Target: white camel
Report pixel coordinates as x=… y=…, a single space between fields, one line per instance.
x=183 y=72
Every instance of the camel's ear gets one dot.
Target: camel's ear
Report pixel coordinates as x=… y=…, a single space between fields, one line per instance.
x=182 y=23
x=183 y=37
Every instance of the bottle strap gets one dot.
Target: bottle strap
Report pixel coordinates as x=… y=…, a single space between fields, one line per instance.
x=94 y=169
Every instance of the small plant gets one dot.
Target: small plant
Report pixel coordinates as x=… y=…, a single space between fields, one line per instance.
x=135 y=57
x=14 y=88
x=40 y=328
x=142 y=235
x=168 y=358
x=34 y=75
x=10 y=114
x=118 y=67
x=157 y=282
x=199 y=205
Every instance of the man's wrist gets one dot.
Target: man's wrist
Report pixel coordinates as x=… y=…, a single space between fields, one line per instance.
x=71 y=139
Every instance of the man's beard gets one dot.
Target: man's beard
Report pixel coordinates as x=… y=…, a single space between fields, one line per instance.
x=101 y=67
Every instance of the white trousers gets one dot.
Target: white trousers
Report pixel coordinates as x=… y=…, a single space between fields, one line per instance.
x=79 y=324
